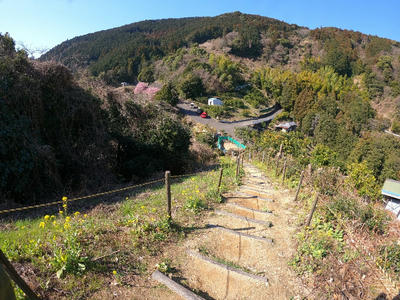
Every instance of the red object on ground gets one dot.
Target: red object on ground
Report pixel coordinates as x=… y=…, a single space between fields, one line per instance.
x=203 y=115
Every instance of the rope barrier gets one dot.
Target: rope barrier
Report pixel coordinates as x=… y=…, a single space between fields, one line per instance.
x=92 y=195
x=79 y=198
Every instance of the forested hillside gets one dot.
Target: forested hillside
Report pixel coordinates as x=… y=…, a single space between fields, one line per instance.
x=123 y=53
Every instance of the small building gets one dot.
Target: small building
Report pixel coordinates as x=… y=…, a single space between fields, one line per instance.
x=215 y=101
x=391 y=193
x=286 y=126
x=124 y=83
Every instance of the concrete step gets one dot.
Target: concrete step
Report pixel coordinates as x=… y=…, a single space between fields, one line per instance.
x=245 y=194
x=252 y=202
x=248 y=212
x=250 y=191
x=220 y=281
x=244 y=220
x=180 y=290
x=241 y=248
x=260 y=189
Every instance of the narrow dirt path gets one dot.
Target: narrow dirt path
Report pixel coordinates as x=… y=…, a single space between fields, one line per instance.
x=245 y=249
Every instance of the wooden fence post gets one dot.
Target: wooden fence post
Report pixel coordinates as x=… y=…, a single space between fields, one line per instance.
x=242 y=159
x=314 y=205
x=168 y=191
x=284 y=171
x=220 y=179
x=299 y=186
x=277 y=165
x=8 y=267
x=263 y=156
x=237 y=166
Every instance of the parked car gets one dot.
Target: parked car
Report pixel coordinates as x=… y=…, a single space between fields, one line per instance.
x=203 y=115
x=192 y=105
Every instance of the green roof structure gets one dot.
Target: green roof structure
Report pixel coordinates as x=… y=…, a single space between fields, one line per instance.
x=391 y=188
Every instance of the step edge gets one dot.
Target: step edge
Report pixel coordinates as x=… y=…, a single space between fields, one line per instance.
x=174 y=286
x=240 y=272
x=248 y=209
x=250 y=220
x=250 y=236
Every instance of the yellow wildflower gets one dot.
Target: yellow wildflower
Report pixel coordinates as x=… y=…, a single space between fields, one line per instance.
x=85 y=215
x=114 y=272
x=42 y=224
x=60 y=212
x=46 y=217
x=64 y=205
x=54 y=223
x=142 y=207
x=67 y=225
x=67 y=219
x=77 y=213
x=64 y=198
x=52 y=217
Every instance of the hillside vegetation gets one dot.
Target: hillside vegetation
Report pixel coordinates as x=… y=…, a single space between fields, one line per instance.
x=57 y=137
x=75 y=253
x=135 y=51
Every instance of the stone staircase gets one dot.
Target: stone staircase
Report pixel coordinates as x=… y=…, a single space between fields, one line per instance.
x=244 y=251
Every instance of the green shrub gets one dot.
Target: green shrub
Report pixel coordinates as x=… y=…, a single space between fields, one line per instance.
x=195 y=204
x=234 y=103
x=396 y=127
x=206 y=138
x=362 y=178
x=323 y=156
x=215 y=111
x=168 y=94
x=390 y=257
x=343 y=206
x=375 y=219
x=315 y=245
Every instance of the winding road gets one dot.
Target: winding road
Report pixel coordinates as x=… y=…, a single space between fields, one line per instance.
x=228 y=127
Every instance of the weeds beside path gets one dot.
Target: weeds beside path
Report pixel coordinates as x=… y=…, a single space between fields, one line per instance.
x=110 y=250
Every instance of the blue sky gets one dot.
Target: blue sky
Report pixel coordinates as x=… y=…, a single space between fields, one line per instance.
x=46 y=23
